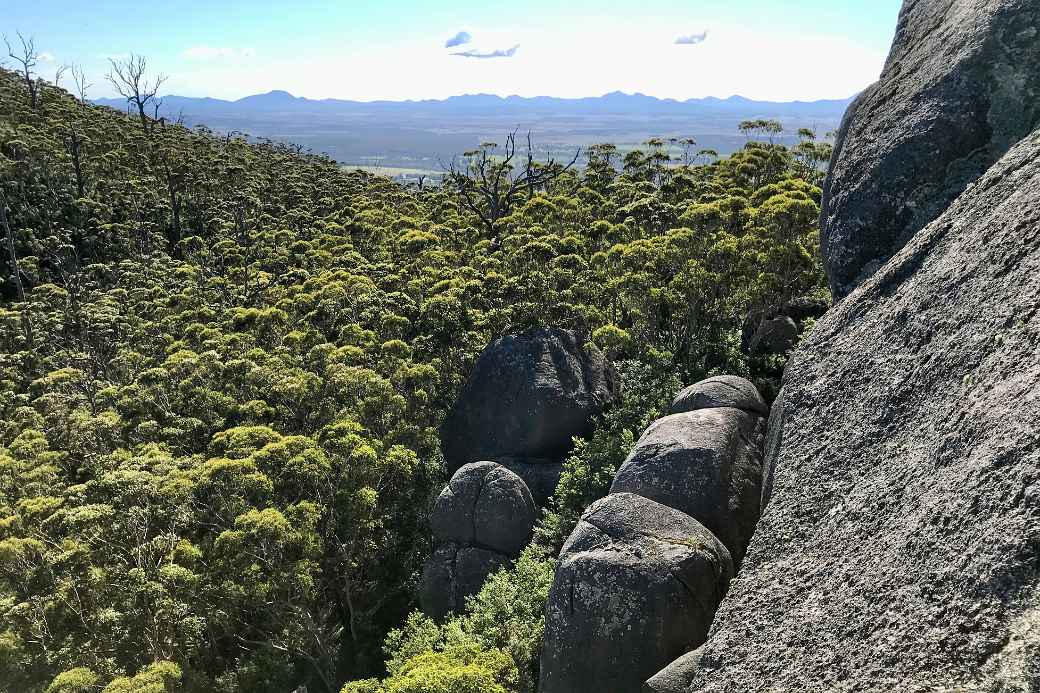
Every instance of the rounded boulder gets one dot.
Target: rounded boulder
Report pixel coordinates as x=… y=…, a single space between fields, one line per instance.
x=705 y=463
x=636 y=586
x=720 y=391
x=485 y=505
x=527 y=397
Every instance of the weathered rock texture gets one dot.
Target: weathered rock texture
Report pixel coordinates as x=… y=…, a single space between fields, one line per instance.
x=527 y=397
x=961 y=86
x=900 y=550
x=720 y=391
x=480 y=521
x=705 y=463
x=636 y=583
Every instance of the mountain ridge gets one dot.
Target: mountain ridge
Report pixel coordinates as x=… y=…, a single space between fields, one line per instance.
x=612 y=102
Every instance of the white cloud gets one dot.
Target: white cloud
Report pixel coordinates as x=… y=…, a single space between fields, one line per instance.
x=47 y=57
x=217 y=53
x=458 y=39
x=692 y=39
x=498 y=53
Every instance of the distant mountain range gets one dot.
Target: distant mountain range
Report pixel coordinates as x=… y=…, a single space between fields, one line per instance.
x=418 y=136
x=613 y=103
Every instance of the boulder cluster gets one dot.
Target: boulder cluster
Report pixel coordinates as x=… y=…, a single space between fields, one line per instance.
x=640 y=578
x=504 y=441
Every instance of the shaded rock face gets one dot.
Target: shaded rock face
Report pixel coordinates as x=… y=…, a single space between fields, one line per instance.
x=900 y=549
x=705 y=463
x=774 y=336
x=541 y=476
x=455 y=572
x=720 y=391
x=527 y=397
x=960 y=87
x=637 y=584
x=480 y=521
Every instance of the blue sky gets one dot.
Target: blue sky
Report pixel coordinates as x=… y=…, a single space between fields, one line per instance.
x=364 y=49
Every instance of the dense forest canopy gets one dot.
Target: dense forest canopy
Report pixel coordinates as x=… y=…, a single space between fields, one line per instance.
x=223 y=364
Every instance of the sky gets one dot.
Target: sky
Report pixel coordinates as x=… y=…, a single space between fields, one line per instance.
x=780 y=50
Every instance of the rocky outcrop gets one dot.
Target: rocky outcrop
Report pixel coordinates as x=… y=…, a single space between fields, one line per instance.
x=527 y=397
x=705 y=463
x=636 y=583
x=900 y=547
x=454 y=572
x=640 y=578
x=960 y=87
x=776 y=330
x=480 y=521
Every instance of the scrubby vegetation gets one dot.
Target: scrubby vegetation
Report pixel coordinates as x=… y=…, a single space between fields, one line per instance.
x=223 y=364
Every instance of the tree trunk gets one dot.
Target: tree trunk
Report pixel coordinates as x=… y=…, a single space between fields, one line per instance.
x=12 y=252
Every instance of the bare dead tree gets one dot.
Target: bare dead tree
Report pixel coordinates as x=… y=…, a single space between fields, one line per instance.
x=79 y=78
x=27 y=57
x=490 y=187
x=130 y=79
x=59 y=73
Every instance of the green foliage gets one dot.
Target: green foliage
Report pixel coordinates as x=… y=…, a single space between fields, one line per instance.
x=223 y=364
x=501 y=625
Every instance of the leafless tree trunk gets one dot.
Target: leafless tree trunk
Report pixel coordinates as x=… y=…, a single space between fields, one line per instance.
x=26 y=57
x=12 y=252
x=82 y=85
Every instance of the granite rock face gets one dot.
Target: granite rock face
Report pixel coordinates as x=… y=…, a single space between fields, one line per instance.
x=900 y=548
x=637 y=583
x=706 y=463
x=960 y=87
x=527 y=397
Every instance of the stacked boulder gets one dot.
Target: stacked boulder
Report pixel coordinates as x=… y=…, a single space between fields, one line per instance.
x=776 y=331
x=528 y=396
x=640 y=578
x=481 y=521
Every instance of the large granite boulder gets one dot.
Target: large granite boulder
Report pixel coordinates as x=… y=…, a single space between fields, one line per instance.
x=706 y=463
x=485 y=505
x=527 y=397
x=720 y=391
x=636 y=586
x=900 y=550
x=480 y=521
x=960 y=87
